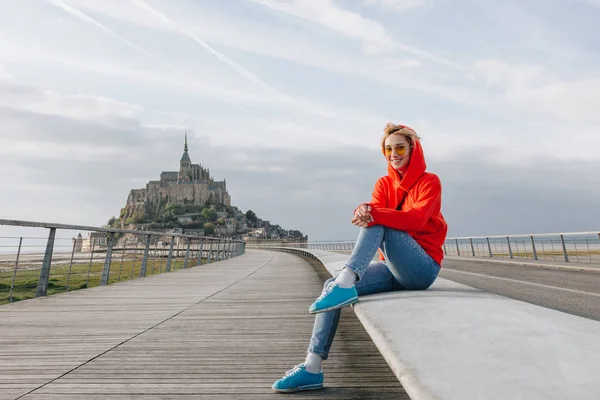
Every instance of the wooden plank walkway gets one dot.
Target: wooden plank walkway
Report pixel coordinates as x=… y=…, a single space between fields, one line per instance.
x=226 y=330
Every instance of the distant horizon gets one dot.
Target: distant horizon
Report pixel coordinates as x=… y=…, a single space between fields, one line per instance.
x=41 y=239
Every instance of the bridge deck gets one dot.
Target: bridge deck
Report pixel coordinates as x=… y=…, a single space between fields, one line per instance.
x=221 y=331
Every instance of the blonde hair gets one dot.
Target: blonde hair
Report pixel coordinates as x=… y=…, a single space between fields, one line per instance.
x=393 y=129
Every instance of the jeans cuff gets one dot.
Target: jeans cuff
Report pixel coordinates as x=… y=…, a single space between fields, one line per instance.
x=353 y=270
x=321 y=354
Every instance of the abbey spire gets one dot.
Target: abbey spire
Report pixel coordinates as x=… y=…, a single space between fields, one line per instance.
x=185 y=158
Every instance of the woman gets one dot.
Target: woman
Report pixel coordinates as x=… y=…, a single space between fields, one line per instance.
x=404 y=223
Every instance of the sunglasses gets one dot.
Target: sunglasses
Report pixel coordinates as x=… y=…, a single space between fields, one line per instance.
x=400 y=150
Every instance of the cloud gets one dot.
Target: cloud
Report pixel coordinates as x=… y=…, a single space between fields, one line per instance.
x=326 y=13
x=232 y=96
x=3 y=72
x=253 y=37
x=372 y=34
x=401 y=63
x=77 y=13
x=162 y=81
x=222 y=57
x=533 y=89
x=482 y=198
x=397 y=5
x=19 y=96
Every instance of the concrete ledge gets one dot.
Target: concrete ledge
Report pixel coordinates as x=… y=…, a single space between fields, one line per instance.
x=456 y=342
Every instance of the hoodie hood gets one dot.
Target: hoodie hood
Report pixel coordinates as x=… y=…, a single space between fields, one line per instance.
x=416 y=168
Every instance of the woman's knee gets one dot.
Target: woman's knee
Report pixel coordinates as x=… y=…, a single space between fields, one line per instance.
x=388 y=232
x=375 y=228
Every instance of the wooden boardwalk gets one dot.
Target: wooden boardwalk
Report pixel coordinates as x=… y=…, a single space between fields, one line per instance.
x=226 y=330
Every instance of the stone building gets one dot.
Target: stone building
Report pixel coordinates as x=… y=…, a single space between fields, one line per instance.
x=94 y=241
x=192 y=184
x=78 y=242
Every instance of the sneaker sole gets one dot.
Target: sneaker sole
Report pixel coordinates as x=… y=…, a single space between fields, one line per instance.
x=300 y=388
x=346 y=303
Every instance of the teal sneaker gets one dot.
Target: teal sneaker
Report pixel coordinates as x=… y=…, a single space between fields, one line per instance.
x=333 y=297
x=298 y=378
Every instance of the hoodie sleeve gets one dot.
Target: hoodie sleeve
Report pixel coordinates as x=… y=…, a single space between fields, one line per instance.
x=428 y=200
x=379 y=196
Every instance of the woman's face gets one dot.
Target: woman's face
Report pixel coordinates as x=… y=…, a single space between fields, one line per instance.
x=397 y=150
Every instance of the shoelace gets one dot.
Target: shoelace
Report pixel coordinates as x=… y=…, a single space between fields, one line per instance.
x=292 y=371
x=328 y=289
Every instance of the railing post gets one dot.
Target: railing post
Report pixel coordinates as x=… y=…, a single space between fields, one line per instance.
x=218 y=250
x=187 y=253
x=445 y=251
x=562 y=239
x=510 y=253
x=107 y=260
x=145 y=257
x=155 y=255
x=489 y=246
x=170 y=258
x=12 y=283
x=42 y=286
x=472 y=248
x=134 y=258
x=457 y=248
x=535 y=256
x=177 y=252
x=210 y=252
x=71 y=264
x=122 y=259
x=87 y=280
x=200 y=252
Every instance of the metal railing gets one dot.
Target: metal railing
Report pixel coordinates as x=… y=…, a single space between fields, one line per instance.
x=34 y=266
x=574 y=247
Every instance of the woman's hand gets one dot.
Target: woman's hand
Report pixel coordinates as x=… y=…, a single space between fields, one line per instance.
x=356 y=221
x=362 y=216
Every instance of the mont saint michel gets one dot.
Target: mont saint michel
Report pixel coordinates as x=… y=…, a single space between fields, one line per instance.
x=192 y=184
x=191 y=201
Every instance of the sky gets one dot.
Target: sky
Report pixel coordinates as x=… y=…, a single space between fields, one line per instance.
x=287 y=100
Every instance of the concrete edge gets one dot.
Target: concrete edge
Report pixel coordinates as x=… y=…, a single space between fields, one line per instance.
x=409 y=381
x=525 y=264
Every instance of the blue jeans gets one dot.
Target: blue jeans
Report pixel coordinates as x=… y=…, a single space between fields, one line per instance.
x=406 y=267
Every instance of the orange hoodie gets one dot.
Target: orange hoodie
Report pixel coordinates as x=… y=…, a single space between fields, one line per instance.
x=420 y=195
